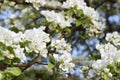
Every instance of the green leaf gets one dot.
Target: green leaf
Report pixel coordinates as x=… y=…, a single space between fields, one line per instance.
x=14 y=29
x=6 y=77
x=67 y=30
x=56 y=75
x=16 y=60
x=25 y=43
x=15 y=71
x=117 y=68
x=1 y=56
x=44 y=23
x=7 y=60
x=3 y=46
x=78 y=22
x=9 y=48
x=50 y=66
x=51 y=58
x=105 y=76
x=97 y=56
x=84 y=36
x=80 y=12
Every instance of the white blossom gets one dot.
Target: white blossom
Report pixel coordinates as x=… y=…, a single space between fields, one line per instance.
x=39 y=3
x=19 y=53
x=113 y=37
x=57 y=18
x=18 y=25
x=91 y=73
x=106 y=70
x=61 y=45
x=6 y=36
x=38 y=39
x=110 y=74
x=8 y=54
x=67 y=66
x=66 y=57
x=109 y=52
x=72 y=3
x=98 y=26
x=25 y=11
x=57 y=57
x=99 y=64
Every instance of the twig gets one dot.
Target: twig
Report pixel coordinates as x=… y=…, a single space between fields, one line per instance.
x=25 y=66
x=22 y=2
x=100 y=4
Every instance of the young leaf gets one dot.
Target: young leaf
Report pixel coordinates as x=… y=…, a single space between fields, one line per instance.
x=1 y=56
x=15 y=71
x=50 y=66
x=51 y=58
x=7 y=60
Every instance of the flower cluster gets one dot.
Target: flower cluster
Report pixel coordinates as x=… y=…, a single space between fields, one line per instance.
x=109 y=52
x=63 y=54
x=35 y=37
x=12 y=39
x=38 y=39
x=57 y=18
x=35 y=40
x=40 y=3
x=98 y=26
x=96 y=29
x=113 y=38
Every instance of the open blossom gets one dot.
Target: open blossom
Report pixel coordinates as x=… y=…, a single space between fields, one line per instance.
x=12 y=39
x=113 y=37
x=82 y=5
x=98 y=26
x=99 y=64
x=18 y=25
x=66 y=57
x=110 y=74
x=61 y=45
x=72 y=3
x=8 y=54
x=9 y=37
x=38 y=39
x=19 y=52
x=67 y=66
x=57 y=18
x=106 y=70
x=36 y=3
x=109 y=55
x=6 y=36
x=109 y=52
x=91 y=73
x=39 y=3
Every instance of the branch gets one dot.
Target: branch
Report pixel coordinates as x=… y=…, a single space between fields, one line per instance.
x=25 y=66
x=22 y=2
x=100 y=4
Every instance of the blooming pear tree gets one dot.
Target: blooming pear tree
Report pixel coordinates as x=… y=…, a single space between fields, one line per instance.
x=41 y=32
